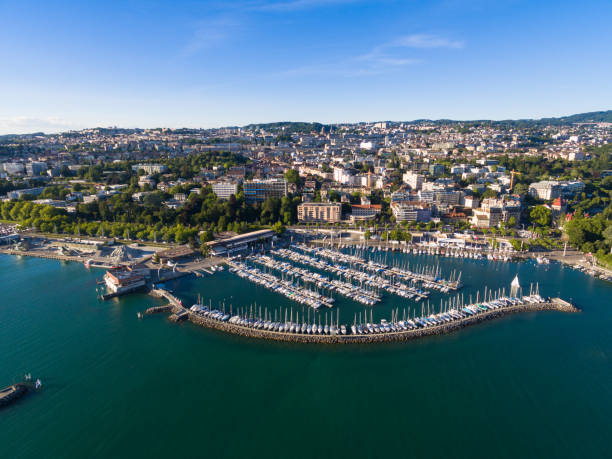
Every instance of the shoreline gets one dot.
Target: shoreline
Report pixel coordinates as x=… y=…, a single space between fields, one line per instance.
x=573 y=260
x=555 y=304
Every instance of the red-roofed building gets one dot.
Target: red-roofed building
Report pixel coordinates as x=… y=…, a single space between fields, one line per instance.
x=558 y=207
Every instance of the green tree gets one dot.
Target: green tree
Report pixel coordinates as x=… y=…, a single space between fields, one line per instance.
x=278 y=228
x=292 y=176
x=540 y=215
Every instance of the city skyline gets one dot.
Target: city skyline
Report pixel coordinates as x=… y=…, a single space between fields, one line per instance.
x=207 y=64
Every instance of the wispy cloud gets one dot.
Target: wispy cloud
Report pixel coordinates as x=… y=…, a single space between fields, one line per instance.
x=231 y=18
x=352 y=67
x=210 y=33
x=28 y=124
x=384 y=58
x=293 y=5
x=426 y=41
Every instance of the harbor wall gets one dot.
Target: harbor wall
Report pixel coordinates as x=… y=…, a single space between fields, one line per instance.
x=555 y=304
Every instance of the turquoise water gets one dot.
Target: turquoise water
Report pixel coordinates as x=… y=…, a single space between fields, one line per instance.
x=532 y=385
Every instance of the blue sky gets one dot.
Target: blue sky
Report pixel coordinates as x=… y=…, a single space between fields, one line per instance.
x=69 y=65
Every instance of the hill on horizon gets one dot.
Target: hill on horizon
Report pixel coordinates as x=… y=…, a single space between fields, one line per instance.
x=603 y=116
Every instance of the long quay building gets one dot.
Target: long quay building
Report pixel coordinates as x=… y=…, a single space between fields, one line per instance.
x=450 y=320
x=238 y=243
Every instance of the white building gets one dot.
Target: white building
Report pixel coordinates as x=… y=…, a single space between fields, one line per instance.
x=224 y=190
x=13 y=168
x=411 y=211
x=343 y=176
x=545 y=190
x=150 y=168
x=413 y=180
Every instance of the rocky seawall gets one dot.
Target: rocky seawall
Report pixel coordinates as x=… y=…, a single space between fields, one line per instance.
x=555 y=304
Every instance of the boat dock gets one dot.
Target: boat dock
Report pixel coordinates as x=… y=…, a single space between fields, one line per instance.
x=376 y=281
x=453 y=316
x=347 y=289
x=284 y=287
x=429 y=276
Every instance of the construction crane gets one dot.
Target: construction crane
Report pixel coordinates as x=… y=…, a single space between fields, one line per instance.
x=512 y=174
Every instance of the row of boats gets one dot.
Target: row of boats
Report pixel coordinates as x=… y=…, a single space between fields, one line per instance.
x=346 y=289
x=391 y=285
x=310 y=327
x=459 y=252
x=428 y=248
x=456 y=313
x=361 y=263
x=269 y=324
x=285 y=287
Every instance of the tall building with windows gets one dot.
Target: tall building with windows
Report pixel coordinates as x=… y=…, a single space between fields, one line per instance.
x=36 y=168
x=411 y=211
x=260 y=190
x=324 y=212
x=436 y=169
x=224 y=190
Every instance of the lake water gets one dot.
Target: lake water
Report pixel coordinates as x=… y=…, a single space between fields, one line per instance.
x=529 y=385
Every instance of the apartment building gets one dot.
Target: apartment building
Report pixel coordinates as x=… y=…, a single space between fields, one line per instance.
x=260 y=190
x=36 y=168
x=411 y=211
x=547 y=190
x=224 y=190
x=325 y=212
x=362 y=212
x=413 y=180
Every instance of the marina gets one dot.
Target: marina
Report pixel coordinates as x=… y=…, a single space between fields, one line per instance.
x=361 y=276
x=347 y=289
x=287 y=288
x=429 y=275
x=289 y=325
x=103 y=348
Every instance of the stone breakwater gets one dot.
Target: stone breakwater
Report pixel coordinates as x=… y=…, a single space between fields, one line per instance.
x=158 y=309
x=555 y=304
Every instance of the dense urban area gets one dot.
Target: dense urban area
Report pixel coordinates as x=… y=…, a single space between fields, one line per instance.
x=533 y=184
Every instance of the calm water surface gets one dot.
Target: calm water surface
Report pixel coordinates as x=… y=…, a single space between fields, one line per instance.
x=532 y=385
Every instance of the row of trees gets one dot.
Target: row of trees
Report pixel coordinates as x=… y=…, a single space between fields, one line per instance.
x=52 y=220
x=121 y=217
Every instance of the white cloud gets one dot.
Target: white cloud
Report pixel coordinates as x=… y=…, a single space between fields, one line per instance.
x=365 y=65
x=26 y=124
x=426 y=41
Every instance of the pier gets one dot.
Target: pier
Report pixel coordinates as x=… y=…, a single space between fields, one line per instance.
x=373 y=280
x=555 y=304
x=454 y=316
